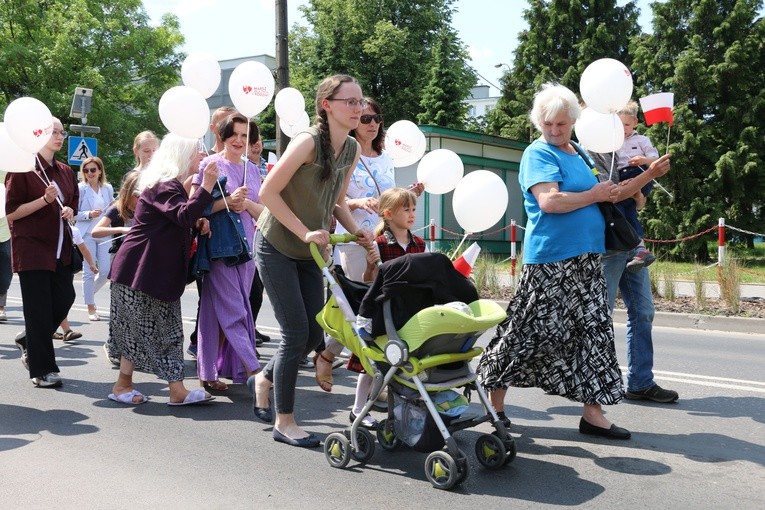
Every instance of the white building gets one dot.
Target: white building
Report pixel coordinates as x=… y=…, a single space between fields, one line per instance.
x=479 y=102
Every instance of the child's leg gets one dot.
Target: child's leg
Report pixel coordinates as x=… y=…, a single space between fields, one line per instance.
x=363 y=386
x=641 y=258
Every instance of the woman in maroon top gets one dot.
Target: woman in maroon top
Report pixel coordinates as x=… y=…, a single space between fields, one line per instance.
x=39 y=204
x=148 y=273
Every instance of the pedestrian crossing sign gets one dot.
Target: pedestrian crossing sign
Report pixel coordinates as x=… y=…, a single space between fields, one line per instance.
x=81 y=148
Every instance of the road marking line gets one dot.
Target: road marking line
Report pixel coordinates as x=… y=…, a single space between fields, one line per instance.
x=711 y=378
x=705 y=380
x=713 y=385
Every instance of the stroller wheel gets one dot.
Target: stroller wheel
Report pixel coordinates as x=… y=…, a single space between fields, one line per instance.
x=490 y=451
x=366 y=444
x=510 y=448
x=441 y=470
x=337 y=450
x=387 y=439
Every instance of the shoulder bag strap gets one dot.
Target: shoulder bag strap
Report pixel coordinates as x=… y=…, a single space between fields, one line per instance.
x=371 y=175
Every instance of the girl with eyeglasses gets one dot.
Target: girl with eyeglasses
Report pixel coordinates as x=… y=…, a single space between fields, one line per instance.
x=301 y=193
x=39 y=204
x=95 y=196
x=373 y=175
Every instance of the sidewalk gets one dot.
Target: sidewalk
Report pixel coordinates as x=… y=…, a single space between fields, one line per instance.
x=696 y=320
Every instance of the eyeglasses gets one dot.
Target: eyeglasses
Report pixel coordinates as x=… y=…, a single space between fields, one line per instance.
x=366 y=119
x=90 y=170
x=62 y=134
x=351 y=102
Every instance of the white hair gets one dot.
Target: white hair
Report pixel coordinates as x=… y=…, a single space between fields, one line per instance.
x=550 y=101
x=173 y=158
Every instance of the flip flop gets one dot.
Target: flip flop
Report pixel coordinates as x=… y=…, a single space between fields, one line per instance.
x=127 y=398
x=194 y=397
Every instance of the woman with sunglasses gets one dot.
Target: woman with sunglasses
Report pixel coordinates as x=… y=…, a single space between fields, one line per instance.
x=95 y=196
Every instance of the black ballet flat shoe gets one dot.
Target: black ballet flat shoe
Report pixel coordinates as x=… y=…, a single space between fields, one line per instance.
x=309 y=441
x=612 y=433
x=504 y=419
x=264 y=414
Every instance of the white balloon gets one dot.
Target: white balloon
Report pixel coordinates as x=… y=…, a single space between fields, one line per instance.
x=184 y=112
x=201 y=72
x=29 y=123
x=440 y=171
x=599 y=132
x=289 y=105
x=12 y=157
x=479 y=200
x=404 y=143
x=292 y=129
x=251 y=87
x=606 y=85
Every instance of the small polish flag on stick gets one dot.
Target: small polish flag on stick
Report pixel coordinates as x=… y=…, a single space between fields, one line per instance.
x=658 y=107
x=464 y=264
x=272 y=159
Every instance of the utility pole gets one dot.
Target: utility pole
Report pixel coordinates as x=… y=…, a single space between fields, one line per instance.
x=282 y=67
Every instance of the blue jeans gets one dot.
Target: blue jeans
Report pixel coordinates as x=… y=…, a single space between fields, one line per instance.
x=636 y=293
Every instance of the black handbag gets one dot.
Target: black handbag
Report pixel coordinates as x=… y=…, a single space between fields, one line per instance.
x=76 y=259
x=620 y=234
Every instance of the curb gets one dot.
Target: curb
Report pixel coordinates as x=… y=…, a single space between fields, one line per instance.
x=694 y=321
x=701 y=322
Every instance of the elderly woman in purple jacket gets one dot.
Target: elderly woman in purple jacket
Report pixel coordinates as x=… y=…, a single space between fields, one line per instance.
x=149 y=272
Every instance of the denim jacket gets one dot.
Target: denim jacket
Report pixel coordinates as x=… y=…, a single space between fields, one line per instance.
x=227 y=241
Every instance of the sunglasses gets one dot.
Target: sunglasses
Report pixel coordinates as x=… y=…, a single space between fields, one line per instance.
x=366 y=119
x=90 y=170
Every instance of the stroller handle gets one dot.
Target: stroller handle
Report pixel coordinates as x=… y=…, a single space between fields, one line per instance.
x=333 y=239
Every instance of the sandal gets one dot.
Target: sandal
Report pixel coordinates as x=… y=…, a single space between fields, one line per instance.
x=70 y=335
x=216 y=385
x=323 y=377
x=58 y=336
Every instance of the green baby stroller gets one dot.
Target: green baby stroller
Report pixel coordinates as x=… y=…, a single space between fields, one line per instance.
x=421 y=359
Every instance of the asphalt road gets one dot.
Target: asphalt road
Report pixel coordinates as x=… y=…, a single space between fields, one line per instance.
x=72 y=448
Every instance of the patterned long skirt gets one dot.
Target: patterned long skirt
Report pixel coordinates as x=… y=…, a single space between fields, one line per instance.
x=147 y=331
x=558 y=335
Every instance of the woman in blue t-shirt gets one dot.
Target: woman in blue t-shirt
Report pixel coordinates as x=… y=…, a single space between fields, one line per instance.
x=558 y=334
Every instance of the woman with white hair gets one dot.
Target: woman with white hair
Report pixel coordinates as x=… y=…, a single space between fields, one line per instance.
x=149 y=272
x=558 y=334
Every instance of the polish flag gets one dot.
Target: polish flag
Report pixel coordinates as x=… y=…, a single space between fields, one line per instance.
x=658 y=107
x=464 y=264
x=272 y=159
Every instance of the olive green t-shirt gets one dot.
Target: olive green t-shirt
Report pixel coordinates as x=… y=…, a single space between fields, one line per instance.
x=311 y=199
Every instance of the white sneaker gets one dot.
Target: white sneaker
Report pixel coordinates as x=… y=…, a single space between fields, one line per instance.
x=51 y=380
x=94 y=317
x=3 y=316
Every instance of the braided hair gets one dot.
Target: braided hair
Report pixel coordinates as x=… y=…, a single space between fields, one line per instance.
x=326 y=89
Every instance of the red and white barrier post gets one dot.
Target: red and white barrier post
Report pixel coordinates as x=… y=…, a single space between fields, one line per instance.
x=432 y=236
x=720 y=246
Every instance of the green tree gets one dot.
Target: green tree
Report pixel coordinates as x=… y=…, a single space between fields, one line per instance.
x=388 y=45
x=562 y=38
x=711 y=55
x=443 y=97
x=49 y=47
